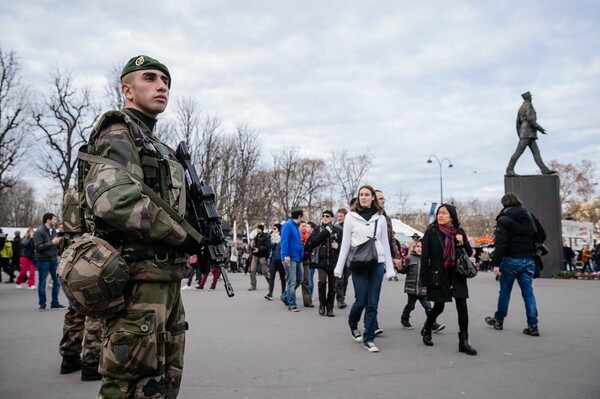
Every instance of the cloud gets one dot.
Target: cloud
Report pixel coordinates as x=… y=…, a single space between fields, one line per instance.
x=401 y=80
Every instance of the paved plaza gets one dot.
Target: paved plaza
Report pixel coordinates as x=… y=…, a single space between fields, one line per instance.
x=248 y=347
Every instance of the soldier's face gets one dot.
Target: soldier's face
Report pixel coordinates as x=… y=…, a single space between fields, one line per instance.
x=147 y=91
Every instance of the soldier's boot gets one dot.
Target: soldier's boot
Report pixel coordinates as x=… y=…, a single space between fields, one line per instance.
x=511 y=172
x=90 y=373
x=70 y=364
x=547 y=171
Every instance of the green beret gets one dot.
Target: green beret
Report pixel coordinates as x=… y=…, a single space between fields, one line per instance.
x=142 y=62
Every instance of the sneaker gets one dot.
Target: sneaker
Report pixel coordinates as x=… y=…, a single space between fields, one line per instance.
x=532 y=330
x=322 y=310
x=406 y=324
x=186 y=287
x=356 y=335
x=370 y=346
x=378 y=331
x=252 y=289
x=490 y=321
x=33 y=287
x=268 y=297
x=436 y=328
x=330 y=313
x=199 y=287
x=57 y=306
x=342 y=304
x=18 y=286
x=294 y=309
x=42 y=309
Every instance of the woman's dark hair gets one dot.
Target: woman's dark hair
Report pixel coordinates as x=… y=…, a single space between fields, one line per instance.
x=278 y=225
x=453 y=215
x=374 y=205
x=511 y=199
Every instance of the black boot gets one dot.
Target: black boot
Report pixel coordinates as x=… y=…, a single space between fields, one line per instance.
x=426 y=333
x=70 y=364
x=90 y=373
x=464 y=345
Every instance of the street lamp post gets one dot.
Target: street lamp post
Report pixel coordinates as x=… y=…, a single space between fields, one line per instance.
x=440 y=162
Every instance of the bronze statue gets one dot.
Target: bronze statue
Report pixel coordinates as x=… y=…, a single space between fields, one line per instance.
x=527 y=128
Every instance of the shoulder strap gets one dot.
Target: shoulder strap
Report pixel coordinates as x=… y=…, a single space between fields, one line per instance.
x=148 y=191
x=536 y=235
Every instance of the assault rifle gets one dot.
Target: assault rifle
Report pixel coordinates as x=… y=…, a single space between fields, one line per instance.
x=203 y=214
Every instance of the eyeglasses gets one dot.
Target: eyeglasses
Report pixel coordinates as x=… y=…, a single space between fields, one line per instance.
x=326 y=216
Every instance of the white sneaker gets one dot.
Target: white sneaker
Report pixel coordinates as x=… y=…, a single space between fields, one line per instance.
x=370 y=346
x=18 y=286
x=33 y=287
x=186 y=287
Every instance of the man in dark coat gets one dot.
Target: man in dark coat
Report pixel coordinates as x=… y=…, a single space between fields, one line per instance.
x=260 y=253
x=513 y=259
x=324 y=243
x=527 y=128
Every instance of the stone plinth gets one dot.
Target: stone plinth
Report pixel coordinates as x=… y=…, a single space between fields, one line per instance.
x=540 y=194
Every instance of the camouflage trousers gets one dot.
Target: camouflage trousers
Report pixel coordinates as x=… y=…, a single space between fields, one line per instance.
x=143 y=345
x=81 y=332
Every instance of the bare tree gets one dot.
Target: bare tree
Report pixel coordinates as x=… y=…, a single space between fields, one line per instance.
x=476 y=216
x=65 y=120
x=577 y=181
x=246 y=143
x=401 y=202
x=14 y=117
x=112 y=89
x=298 y=182
x=348 y=172
x=18 y=206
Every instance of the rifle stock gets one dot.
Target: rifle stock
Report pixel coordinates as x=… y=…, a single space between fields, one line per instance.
x=203 y=214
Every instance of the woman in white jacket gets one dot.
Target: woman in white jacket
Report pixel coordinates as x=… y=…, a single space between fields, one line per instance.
x=359 y=226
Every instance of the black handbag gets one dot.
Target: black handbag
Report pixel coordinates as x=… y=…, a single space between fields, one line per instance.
x=464 y=266
x=364 y=257
x=539 y=249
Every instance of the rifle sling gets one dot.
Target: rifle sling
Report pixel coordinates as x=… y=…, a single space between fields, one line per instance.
x=148 y=191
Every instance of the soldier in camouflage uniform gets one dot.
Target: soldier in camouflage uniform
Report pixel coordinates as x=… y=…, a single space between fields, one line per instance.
x=81 y=332
x=142 y=345
x=527 y=128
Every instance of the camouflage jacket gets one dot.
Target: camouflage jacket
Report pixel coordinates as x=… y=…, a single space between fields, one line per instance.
x=527 y=126
x=118 y=211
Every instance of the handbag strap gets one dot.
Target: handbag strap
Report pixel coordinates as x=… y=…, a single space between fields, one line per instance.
x=536 y=235
x=375 y=229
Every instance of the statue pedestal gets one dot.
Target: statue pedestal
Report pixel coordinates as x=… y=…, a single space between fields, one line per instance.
x=540 y=194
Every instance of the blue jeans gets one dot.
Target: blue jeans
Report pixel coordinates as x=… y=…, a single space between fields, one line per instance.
x=293 y=279
x=367 y=287
x=522 y=270
x=45 y=266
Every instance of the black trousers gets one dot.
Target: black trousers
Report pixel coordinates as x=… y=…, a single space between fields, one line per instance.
x=410 y=306
x=274 y=268
x=461 y=308
x=327 y=287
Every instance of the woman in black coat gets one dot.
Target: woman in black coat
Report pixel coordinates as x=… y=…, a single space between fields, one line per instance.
x=438 y=273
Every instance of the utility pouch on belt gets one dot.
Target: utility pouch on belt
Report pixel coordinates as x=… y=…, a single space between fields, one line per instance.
x=93 y=275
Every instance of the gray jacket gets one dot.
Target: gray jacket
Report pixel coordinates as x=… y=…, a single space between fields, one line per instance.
x=44 y=248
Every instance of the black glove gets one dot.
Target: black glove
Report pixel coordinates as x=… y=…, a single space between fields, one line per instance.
x=189 y=246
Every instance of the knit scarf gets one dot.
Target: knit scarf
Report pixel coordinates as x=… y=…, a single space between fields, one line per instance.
x=275 y=238
x=304 y=237
x=449 y=247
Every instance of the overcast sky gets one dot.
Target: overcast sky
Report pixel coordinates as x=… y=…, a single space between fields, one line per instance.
x=400 y=79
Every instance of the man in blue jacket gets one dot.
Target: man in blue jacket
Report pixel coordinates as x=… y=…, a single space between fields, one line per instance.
x=292 y=252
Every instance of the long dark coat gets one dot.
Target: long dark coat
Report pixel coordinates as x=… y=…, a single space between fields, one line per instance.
x=442 y=283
